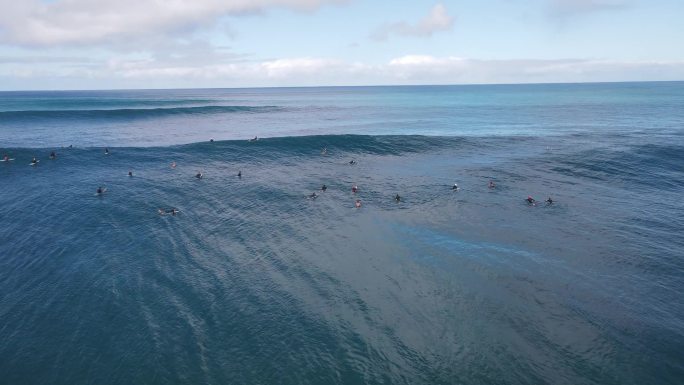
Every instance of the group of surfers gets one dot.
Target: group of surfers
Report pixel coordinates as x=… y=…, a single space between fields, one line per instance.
x=200 y=175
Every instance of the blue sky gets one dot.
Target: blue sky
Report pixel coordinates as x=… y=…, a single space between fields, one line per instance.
x=86 y=44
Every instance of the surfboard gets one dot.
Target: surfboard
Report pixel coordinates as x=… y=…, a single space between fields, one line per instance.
x=6 y=160
x=33 y=164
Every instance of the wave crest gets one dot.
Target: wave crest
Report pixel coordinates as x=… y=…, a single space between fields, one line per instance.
x=131 y=113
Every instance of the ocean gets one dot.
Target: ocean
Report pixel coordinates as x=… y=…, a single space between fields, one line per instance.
x=253 y=282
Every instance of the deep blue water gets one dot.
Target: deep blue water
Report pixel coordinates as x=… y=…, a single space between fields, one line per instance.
x=254 y=283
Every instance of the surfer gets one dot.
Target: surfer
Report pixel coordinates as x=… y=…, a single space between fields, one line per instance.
x=100 y=190
x=352 y=162
x=239 y=174
x=313 y=195
x=53 y=155
x=455 y=187
x=211 y=140
x=491 y=184
x=34 y=160
x=199 y=175
x=130 y=173
x=324 y=151
x=173 y=164
x=357 y=204
x=106 y=151
x=397 y=198
x=324 y=187
x=168 y=211
x=530 y=200
x=549 y=201
x=355 y=189
x=5 y=158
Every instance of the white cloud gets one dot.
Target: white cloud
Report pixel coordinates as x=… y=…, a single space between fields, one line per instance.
x=437 y=20
x=284 y=68
x=40 y=23
x=423 y=61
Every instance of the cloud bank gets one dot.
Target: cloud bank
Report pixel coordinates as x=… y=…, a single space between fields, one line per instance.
x=41 y=23
x=311 y=71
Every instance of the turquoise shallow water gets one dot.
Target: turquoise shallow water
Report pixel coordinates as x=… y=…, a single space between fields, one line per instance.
x=253 y=283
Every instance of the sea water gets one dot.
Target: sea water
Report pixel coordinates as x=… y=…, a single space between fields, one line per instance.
x=251 y=282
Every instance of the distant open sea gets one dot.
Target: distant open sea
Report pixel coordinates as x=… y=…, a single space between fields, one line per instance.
x=254 y=283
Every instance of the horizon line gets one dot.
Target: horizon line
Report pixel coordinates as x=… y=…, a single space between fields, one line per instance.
x=344 y=86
